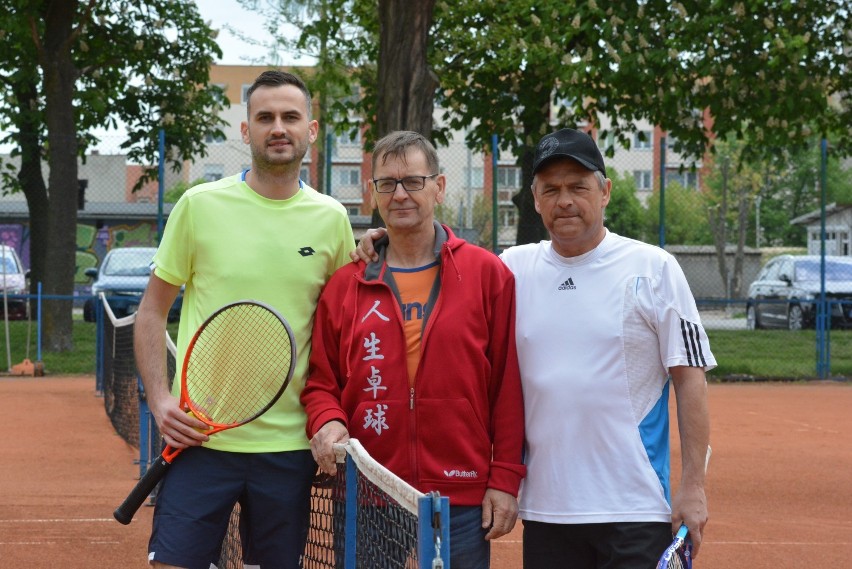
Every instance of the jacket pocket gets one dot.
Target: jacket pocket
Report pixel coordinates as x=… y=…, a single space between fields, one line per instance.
x=454 y=445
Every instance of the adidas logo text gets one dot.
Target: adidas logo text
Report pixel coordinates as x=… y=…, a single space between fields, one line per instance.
x=567 y=285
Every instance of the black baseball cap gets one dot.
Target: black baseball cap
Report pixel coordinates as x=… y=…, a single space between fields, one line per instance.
x=569 y=143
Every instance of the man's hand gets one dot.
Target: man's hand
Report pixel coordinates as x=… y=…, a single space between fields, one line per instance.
x=499 y=512
x=689 y=507
x=365 y=250
x=322 y=445
x=179 y=428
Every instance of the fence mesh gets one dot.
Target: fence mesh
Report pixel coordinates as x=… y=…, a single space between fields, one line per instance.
x=723 y=216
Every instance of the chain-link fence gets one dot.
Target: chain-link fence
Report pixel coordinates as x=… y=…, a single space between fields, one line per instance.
x=724 y=217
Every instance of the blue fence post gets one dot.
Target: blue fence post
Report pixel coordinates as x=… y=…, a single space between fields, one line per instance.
x=161 y=185
x=495 y=153
x=327 y=177
x=662 y=235
x=99 y=345
x=823 y=322
x=145 y=452
x=39 y=364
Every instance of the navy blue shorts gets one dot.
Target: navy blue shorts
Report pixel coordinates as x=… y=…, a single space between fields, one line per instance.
x=627 y=545
x=196 y=498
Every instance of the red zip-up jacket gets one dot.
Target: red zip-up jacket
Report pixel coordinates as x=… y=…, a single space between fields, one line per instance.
x=460 y=428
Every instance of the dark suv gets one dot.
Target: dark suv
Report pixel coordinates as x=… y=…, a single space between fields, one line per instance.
x=785 y=291
x=122 y=277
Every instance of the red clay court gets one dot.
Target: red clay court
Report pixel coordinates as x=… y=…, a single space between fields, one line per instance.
x=780 y=480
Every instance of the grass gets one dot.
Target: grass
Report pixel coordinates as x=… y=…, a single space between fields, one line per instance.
x=759 y=354
x=79 y=361
x=777 y=354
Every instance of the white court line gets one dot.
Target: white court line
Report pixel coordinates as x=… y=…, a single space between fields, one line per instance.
x=807 y=426
x=58 y=521
x=819 y=543
x=706 y=542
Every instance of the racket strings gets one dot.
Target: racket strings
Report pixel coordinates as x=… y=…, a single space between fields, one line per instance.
x=238 y=364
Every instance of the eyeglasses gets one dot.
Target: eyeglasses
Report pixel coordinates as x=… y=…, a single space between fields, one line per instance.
x=409 y=183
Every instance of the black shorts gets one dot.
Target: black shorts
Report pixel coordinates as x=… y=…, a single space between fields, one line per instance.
x=198 y=493
x=622 y=545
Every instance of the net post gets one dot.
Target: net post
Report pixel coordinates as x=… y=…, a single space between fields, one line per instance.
x=433 y=539
x=99 y=347
x=144 y=430
x=351 y=516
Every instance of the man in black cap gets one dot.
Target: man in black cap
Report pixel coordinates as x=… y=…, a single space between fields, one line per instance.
x=603 y=325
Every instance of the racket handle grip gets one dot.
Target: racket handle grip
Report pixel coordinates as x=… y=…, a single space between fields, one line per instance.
x=124 y=513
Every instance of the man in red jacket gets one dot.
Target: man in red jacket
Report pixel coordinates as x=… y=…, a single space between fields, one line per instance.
x=414 y=355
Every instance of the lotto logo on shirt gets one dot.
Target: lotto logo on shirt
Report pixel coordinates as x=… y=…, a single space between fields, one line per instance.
x=568 y=285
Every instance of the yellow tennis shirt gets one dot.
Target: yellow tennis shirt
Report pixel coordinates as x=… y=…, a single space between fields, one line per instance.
x=227 y=243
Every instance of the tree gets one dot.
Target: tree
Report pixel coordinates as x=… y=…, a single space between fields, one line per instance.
x=523 y=68
x=72 y=66
x=733 y=185
x=792 y=190
x=332 y=33
x=625 y=214
x=686 y=217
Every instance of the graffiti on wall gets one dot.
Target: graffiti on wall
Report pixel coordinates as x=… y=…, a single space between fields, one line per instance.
x=93 y=243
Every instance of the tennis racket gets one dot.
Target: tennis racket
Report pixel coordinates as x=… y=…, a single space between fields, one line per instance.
x=237 y=365
x=679 y=554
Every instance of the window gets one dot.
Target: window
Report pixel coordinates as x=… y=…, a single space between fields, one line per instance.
x=213 y=172
x=508 y=177
x=508 y=216
x=353 y=210
x=244 y=94
x=642 y=140
x=770 y=272
x=686 y=179
x=474 y=177
x=348 y=176
x=643 y=179
x=349 y=138
x=305 y=175
x=606 y=141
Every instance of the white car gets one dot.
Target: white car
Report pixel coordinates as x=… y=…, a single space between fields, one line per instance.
x=13 y=282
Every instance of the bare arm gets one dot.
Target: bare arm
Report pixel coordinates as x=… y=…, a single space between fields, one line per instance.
x=689 y=506
x=178 y=429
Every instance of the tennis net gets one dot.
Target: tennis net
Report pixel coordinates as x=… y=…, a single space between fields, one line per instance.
x=365 y=517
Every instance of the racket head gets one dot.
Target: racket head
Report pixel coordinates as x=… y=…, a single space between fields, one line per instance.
x=678 y=555
x=237 y=365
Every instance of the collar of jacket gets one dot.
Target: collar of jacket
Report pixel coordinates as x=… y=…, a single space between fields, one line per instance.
x=374 y=268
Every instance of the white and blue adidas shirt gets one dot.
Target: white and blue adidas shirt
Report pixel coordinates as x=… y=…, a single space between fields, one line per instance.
x=596 y=335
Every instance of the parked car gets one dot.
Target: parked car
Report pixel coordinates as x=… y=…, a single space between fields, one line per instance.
x=13 y=281
x=122 y=277
x=785 y=291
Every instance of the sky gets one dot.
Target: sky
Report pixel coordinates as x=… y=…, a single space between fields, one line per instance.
x=234 y=51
